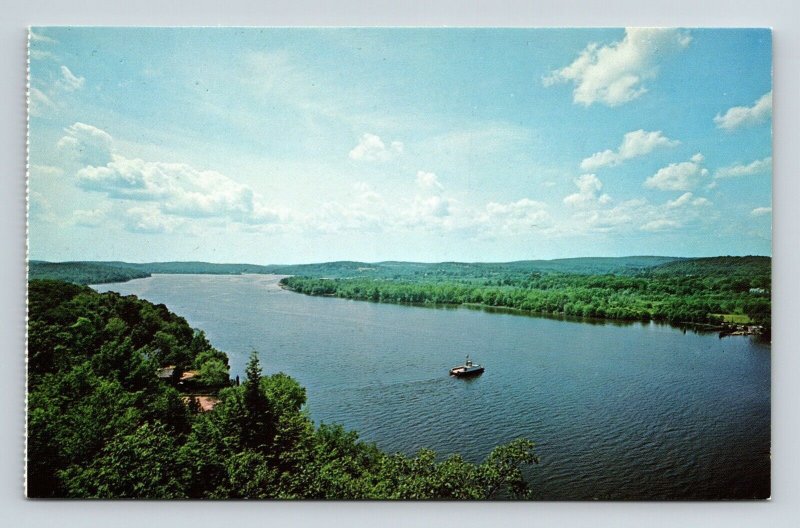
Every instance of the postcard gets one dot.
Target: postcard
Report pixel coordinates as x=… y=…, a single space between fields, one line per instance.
x=399 y=263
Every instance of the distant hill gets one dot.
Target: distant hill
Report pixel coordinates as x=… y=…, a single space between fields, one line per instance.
x=461 y=270
x=83 y=272
x=207 y=268
x=96 y=272
x=748 y=266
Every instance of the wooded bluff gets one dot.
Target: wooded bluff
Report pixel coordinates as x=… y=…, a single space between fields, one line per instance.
x=102 y=424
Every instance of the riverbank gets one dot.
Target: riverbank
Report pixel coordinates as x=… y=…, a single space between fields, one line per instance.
x=595 y=306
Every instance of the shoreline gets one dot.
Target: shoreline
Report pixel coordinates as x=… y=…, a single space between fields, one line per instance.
x=723 y=329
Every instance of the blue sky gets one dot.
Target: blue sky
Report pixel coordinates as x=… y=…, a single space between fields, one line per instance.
x=308 y=145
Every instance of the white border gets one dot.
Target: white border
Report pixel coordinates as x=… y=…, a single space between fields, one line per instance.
x=783 y=16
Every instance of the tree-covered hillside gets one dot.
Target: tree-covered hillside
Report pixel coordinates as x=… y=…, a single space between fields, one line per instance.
x=103 y=424
x=686 y=291
x=92 y=272
x=84 y=272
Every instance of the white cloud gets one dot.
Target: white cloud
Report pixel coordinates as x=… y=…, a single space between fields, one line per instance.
x=70 y=82
x=614 y=74
x=428 y=180
x=150 y=220
x=680 y=201
x=37 y=54
x=90 y=217
x=522 y=216
x=40 y=208
x=367 y=211
x=740 y=116
x=589 y=187
x=178 y=188
x=661 y=224
x=430 y=206
x=45 y=170
x=638 y=214
x=738 y=169
x=761 y=211
x=687 y=199
x=634 y=144
x=371 y=148
x=39 y=102
x=598 y=219
x=682 y=176
x=38 y=37
x=86 y=144
x=175 y=189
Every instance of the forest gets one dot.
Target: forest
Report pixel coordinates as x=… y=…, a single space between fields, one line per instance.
x=103 y=424
x=83 y=272
x=97 y=272
x=706 y=290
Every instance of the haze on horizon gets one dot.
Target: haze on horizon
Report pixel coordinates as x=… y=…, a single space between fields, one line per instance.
x=273 y=146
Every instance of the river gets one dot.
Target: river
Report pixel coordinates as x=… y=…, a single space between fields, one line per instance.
x=617 y=411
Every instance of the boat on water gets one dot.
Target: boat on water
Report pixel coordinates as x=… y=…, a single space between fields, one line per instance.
x=467 y=369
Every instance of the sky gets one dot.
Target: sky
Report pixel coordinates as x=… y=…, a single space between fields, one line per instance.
x=309 y=145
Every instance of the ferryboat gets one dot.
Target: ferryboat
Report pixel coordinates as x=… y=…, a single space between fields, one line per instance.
x=467 y=369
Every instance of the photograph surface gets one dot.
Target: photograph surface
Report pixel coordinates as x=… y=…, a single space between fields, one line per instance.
x=399 y=263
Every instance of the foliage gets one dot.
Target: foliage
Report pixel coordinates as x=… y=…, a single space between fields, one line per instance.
x=693 y=290
x=92 y=272
x=83 y=272
x=102 y=425
x=214 y=373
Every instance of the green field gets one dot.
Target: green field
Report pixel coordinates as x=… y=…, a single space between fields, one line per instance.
x=734 y=318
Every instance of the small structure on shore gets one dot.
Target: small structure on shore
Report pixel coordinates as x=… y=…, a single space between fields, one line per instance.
x=205 y=402
x=166 y=373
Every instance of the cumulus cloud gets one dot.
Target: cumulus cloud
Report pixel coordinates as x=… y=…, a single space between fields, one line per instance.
x=428 y=180
x=634 y=144
x=589 y=187
x=761 y=211
x=86 y=144
x=740 y=116
x=371 y=148
x=521 y=216
x=687 y=199
x=176 y=189
x=599 y=219
x=150 y=220
x=738 y=169
x=682 y=176
x=430 y=205
x=427 y=207
x=180 y=189
x=614 y=74
x=70 y=82
x=675 y=214
x=638 y=215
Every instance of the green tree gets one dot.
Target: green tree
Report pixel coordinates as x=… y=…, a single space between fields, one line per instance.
x=259 y=425
x=141 y=464
x=214 y=373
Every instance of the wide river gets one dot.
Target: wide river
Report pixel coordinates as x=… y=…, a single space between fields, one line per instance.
x=634 y=411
